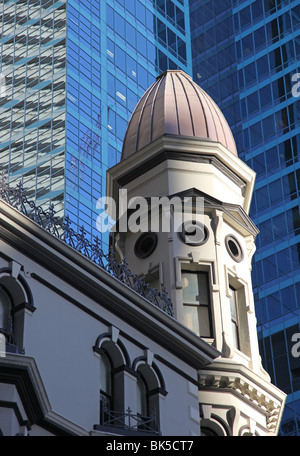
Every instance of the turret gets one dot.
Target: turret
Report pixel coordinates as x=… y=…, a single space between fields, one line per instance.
x=180 y=167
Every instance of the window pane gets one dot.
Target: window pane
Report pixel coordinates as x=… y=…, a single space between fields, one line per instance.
x=196 y=302
x=234 y=322
x=195 y=288
x=190 y=288
x=4 y=311
x=235 y=335
x=105 y=376
x=203 y=289
x=191 y=318
x=196 y=318
x=232 y=306
x=141 y=398
x=204 y=322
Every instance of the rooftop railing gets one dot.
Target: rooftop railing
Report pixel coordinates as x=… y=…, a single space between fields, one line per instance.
x=61 y=229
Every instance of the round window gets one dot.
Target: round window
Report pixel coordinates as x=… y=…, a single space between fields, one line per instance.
x=145 y=245
x=234 y=249
x=193 y=233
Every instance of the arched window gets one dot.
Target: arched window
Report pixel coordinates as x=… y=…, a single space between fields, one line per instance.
x=16 y=304
x=105 y=387
x=113 y=379
x=5 y=312
x=142 y=398
x=150 y=391
x=145 y=422
x=207 y=432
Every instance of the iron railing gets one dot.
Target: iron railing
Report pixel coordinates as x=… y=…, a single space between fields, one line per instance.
x=11 y=344
x=129 y=421
x=61 y=228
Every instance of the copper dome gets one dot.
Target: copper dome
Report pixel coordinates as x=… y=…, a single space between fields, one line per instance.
x=176 y=105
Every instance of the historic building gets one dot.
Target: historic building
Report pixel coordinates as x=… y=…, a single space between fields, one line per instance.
x=92 y=344
x=71 y=74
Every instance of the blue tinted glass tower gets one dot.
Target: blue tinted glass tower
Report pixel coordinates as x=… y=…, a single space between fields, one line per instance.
x=71 y=74
x=32 y=96
x=245 y=55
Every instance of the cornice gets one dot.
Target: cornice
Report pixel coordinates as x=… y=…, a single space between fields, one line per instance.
x=22 y=371
x=182 y=148
x=234 y=212
x=247 y=386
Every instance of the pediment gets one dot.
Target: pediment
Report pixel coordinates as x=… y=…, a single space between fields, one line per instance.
x=233 y=213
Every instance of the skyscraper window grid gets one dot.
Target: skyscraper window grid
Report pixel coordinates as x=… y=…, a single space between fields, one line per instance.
x=110 y=53
x=32 y=108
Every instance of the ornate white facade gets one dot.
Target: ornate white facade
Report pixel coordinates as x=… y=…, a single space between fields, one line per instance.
x=209 y=282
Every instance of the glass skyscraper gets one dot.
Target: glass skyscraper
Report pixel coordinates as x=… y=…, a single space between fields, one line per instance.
x=32 y=102
x=71 y=74
x=245 y=55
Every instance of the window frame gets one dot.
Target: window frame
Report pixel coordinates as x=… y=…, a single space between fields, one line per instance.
x=199 y=305
x=109 y=397
x=5 y=327
x=243 y=306
x=235 y=331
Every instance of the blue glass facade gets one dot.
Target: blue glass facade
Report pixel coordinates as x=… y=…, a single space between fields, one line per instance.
x=32 y=96
x=109 y=53
x=115 y=50
x=245 y=54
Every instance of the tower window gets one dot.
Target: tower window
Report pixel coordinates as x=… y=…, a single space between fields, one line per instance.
x=196 y=302
x=238 y=309
x=234 y=318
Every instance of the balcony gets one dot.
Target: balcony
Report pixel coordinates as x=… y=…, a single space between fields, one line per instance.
x=127 y=423
x=8 y=343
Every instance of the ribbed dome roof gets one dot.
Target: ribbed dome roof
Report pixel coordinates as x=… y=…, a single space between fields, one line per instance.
x=176 y=105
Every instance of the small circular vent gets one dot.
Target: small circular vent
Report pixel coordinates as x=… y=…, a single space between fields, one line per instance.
x=145 y=245
x=234 y=249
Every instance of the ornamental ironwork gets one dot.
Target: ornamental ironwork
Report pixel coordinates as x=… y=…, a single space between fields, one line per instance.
x=61 y=228
x=128 y=420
